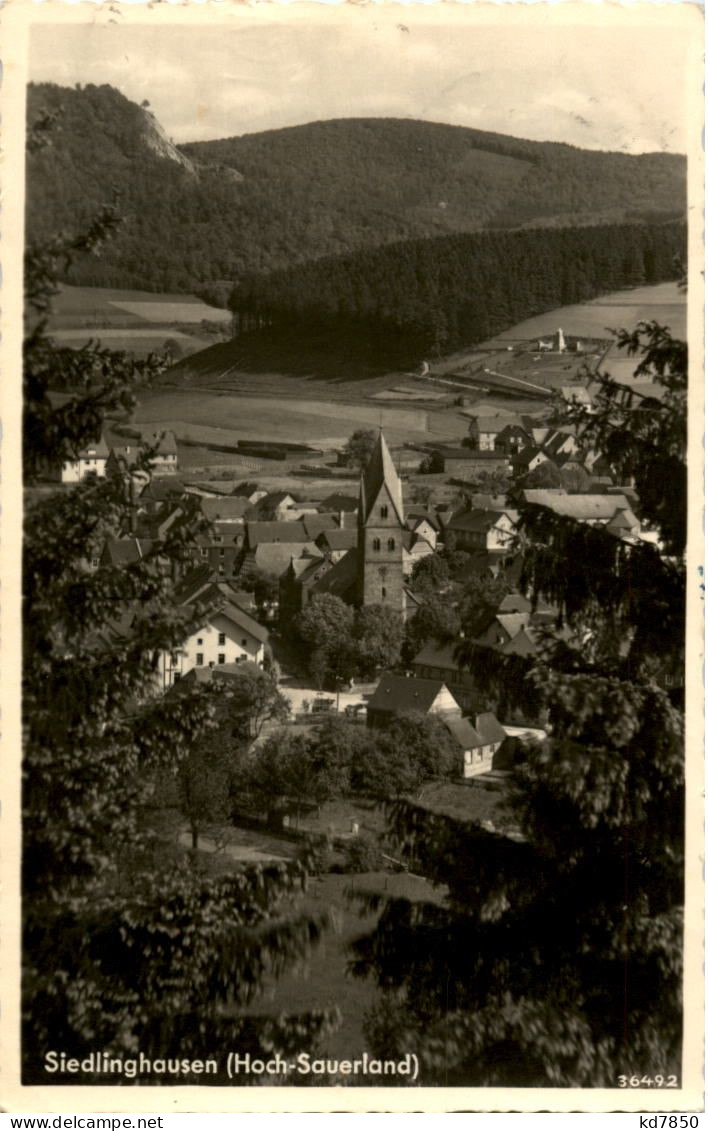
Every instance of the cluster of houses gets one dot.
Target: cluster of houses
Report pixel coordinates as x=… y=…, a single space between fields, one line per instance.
x=510 y=444
x=361 y=548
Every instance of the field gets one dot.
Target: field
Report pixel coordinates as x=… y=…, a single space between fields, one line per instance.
x=136 y=321
x=207 y=404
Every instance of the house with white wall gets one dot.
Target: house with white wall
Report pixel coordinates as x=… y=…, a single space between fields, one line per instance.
x=227 y=636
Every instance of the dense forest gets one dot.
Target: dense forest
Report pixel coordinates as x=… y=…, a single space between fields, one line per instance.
x=209 y=213
x=404 y=301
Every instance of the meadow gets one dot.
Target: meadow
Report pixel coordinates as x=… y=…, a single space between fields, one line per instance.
x=136 y=321
x=208 y=404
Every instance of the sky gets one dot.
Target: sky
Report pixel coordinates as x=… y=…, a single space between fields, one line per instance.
x=617 y=87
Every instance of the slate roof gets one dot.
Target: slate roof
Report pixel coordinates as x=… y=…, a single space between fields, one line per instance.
x=486 y=731
x=228 y=509
x=244 y=621
x=400 y=693
x=380 y=471
x=526 y=456
x=583 y=508
x=275 y=557
x=478 y=521
x=96 y=450
x=315 y=524
x=514 y=603
x=341 y=578
x=125 y=551
x=337 y=539
x=496 y=423
x=519 y=645
x=165 y=443
x=259 y=533
x=436 y=655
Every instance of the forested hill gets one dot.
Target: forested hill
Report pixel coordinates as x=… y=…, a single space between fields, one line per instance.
x=393 y=305
x=220 y=210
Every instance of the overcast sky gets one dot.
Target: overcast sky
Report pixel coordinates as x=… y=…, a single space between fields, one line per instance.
x=619 y=88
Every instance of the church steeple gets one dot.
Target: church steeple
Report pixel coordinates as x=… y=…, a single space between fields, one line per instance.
x=380 y=472
x=381 y=531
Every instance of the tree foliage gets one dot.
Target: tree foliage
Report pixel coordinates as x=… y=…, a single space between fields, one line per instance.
x=556 y=956
x=123 y=948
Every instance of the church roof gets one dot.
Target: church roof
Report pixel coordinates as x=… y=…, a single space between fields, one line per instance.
x=379 y=472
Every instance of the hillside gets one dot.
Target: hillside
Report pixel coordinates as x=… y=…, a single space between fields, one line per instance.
x=220 y=210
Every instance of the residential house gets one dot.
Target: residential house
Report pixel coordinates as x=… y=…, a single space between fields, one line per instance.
x=273 y=558
x=226 y=633
x=164 y=460
x=437 y=661
x=512 y=439
x=229 y=635
x=528 y=459
x=577 y=395
x=90 y=460
x=480 y=740
x=597 y=510
x=485 y=430
x=426 y=524
x=401 y=694
x=560 y=444
x=467 y=463
x=225 y=509
x=250 y=491
x=415 y=547
x=335 y=543
x=472 y=530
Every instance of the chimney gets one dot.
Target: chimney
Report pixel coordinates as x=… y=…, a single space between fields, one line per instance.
x=341 y=520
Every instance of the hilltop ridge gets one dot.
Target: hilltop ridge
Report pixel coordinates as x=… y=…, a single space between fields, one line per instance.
x=218 y=210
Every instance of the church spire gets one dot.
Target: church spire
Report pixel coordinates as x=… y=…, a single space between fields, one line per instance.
x=380 y=472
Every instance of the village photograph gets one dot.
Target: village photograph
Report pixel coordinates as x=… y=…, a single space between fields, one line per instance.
x=355 y=401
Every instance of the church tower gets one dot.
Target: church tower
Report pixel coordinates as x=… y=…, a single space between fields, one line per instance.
x=381 y=531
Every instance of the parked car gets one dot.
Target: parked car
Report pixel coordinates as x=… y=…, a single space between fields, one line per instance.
x=322 y=705
x=355 y=710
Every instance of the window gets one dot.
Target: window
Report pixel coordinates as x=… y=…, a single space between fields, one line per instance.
x=222 y=638
x=221 y=571
x=204 y=551
x=200 y=640
x=392 y=543
x=383 y=590
x=221 y=658
x=243 y=643
x=200 y=659
x=218 y=538
x=376 y=543
x=384 y=512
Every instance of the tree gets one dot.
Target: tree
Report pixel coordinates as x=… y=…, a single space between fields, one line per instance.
x=325 y=627
x=250 y=699
x=378 y=632
x=430 y=574
x=436 y=619
x=204 y=778
x=547 y=474
x=123 y=946
x=556 y=957
x=289 y=769
x=359 y=447
x=409 y=751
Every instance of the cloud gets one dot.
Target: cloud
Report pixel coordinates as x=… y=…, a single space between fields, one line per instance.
x=275 y=66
